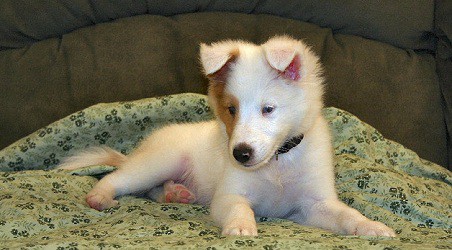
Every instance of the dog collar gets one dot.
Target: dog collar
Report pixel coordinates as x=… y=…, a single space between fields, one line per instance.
x=288 y=145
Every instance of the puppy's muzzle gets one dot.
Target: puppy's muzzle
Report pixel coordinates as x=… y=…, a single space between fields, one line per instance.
x=242 y=153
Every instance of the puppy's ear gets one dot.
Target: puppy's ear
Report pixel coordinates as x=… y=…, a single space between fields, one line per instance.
x=281 y=54
x=216 y=59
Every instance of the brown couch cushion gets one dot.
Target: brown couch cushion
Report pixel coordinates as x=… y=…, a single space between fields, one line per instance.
x=393 y=89
x=403 y=23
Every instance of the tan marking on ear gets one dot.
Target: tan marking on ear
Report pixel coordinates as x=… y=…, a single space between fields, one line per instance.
x=223 y=101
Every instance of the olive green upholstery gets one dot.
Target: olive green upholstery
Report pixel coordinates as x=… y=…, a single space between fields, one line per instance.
x=388 y=62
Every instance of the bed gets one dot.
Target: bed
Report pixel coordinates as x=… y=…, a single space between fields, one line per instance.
x=42 y=207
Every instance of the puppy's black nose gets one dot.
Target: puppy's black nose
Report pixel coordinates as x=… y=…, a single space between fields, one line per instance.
x=242 y=152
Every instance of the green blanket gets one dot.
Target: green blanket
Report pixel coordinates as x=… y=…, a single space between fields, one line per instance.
x=45 y=208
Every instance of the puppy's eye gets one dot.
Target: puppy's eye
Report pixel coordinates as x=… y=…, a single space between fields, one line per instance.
x=267 y=109
x=232 y=110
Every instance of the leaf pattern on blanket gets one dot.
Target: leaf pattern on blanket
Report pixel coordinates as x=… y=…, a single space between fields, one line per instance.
x=45 y=208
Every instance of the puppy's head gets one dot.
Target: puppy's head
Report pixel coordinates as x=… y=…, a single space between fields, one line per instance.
x=264 y=95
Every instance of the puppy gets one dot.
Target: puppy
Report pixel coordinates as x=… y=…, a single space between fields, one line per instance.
x=268 y=153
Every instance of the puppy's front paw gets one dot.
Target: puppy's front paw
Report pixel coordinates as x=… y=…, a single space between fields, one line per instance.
x=240 y=227
x=373 y=228
x=100 y=202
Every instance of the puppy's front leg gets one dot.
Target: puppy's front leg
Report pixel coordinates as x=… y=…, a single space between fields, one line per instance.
x=234 y=214
x=338 y=217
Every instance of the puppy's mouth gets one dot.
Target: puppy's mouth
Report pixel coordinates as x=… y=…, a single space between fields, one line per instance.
x=258 y=164
x=255 y=164
x=277 y=150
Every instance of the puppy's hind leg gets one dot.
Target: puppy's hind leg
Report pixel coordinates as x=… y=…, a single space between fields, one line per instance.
x=171 y=192
x=143 y=170
x=102 y=195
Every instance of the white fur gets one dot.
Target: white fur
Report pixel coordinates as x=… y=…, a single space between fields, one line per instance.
x=299 y=185
x=215 y=56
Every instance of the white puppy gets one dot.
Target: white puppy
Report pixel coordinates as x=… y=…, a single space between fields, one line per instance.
x=268 y=153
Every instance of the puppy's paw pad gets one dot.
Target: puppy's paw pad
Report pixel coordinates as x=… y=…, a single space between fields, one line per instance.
x=240 y=227
x=100 y=202
x=177 y=193
x=374 y=228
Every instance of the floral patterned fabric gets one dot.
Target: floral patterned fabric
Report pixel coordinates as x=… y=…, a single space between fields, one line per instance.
x=45 y=208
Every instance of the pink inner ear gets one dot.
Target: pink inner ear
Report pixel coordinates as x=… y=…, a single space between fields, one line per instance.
x=221 y=75
x=293 y=70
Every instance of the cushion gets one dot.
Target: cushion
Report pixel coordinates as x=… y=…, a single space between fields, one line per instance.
x=43 y=207
x=404 y=23
x=394 y=89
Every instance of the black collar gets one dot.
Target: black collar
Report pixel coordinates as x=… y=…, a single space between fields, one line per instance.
x=289 y=144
